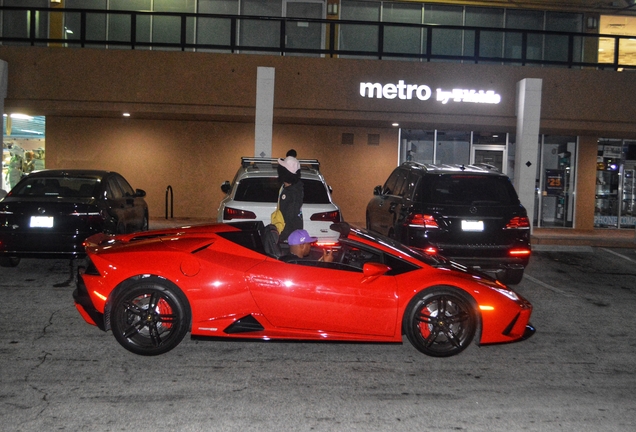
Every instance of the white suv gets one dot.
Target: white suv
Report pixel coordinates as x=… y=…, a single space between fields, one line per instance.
x=253 y=195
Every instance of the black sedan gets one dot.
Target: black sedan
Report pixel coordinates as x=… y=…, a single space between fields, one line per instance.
x=50 y=213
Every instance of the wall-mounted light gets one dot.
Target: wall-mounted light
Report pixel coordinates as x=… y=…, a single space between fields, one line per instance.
x=332 y=8
x=126 y=114
x=56 y=1
x=395 y=124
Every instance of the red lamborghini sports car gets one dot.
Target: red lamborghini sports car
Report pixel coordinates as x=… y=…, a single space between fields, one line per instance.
x=230 y=281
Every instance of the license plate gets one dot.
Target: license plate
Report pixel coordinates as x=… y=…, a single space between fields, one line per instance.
x=472 y=225
x=41 y=222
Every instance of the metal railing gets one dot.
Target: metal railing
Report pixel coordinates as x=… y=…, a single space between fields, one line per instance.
x=431 y=38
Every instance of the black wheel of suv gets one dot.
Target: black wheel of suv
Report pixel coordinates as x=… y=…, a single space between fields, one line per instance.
x=513 y=275
x=9 y=261
x=150 y=318
x=440 y=321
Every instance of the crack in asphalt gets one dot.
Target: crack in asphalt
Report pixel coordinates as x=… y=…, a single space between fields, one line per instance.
x=49 y=324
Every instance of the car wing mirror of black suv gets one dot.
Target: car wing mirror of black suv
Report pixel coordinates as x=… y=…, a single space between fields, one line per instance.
x=377 y=190
x=140 y=193
x=226 y=187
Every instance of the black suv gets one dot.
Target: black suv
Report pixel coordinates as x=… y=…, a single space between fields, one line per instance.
x=468 y=213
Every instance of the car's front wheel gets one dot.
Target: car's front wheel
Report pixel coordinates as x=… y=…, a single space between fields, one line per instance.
x=440 y=321
x=151 y=317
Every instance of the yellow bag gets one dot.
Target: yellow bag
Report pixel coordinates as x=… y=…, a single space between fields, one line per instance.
x=278 y=220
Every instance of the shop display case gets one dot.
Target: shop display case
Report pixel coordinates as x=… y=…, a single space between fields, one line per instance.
x=607 y=181
x=628 y=199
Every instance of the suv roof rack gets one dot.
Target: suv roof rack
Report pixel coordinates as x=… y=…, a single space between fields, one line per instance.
x=304 y=163
x=480 y=167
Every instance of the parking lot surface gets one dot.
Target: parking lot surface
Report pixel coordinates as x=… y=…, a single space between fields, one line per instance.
x=577 y=373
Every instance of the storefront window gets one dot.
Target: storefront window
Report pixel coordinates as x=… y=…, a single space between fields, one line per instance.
x=359 y=37
x=215 y=31
x=401 y=39
x=17 y=23
x=23 y=148
x=454 y=147
x=119 y=26
x=615 y=168
x=490 y=43
x=556 y=178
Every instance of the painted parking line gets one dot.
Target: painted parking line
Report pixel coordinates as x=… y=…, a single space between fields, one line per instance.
x=548 y=286
x=619 y=255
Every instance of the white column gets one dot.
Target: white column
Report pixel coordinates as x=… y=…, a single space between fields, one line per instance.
x=527 y=143
x=264 y=111
x=4 y=78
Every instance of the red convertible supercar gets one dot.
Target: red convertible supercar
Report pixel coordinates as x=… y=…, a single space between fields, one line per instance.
x=227 y=281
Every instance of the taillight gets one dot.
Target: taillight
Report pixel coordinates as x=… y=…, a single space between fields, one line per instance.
x=332 y=216
x=519 y=252
x=422 y=220
x=230 y=213
x=518 y=222
x=430 y=250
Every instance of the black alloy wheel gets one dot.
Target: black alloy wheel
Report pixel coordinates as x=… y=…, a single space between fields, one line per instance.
x=151 y=317
x=440 y=321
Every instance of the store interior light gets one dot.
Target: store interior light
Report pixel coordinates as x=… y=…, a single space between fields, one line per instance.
x=21 y=116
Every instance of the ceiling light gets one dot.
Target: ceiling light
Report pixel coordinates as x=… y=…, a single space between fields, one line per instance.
x=395 y=124
x=126 y=114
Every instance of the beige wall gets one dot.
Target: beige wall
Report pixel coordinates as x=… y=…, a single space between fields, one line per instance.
x=586 y=183
x=178 y=85
x=195 y=157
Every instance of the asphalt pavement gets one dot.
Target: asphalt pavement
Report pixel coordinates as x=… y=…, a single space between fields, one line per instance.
x=577 y=373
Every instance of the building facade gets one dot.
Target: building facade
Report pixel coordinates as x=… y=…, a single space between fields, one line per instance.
x=358 y=96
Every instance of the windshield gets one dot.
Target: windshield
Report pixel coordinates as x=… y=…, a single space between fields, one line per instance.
x=81 y=187
x=263 y=189
x=432 y=260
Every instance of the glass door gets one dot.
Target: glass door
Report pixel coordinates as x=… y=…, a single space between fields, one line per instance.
x=493 y=155
x=556 y=173
x=304 y=34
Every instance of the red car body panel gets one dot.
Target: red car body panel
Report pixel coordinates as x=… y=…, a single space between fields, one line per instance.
x=224 y=282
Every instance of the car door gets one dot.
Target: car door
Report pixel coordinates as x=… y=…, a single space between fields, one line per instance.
x=389 y=201
x=134 y=206
x=297 y=296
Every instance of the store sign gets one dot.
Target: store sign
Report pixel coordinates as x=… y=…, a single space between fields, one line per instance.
x=554 y=184
x=423 y=92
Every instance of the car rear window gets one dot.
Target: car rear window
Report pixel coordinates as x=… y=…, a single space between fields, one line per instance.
x=266 y=190
x=82 y=187
x=466 y=189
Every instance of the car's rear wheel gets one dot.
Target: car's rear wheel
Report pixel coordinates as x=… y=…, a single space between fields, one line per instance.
x=150 y=318
x=9 y=261
x=440 y=321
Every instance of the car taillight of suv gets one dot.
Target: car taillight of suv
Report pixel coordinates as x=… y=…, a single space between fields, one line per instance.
x=230 y=213
x=332 y=216
x=422 y=220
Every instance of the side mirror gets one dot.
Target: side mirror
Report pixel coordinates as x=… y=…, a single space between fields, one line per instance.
x=377 y=190
x=140 y=193
x=372 y=270
x=226 y=187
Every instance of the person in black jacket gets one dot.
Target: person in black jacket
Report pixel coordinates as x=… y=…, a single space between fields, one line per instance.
x=291 y=195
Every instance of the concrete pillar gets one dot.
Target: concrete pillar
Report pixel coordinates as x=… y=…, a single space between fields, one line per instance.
x=4 y=79
x=527 y=143
x=264 y=111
